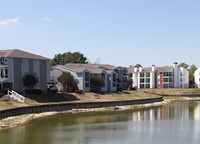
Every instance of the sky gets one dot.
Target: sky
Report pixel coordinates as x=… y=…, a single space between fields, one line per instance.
x=118 y=32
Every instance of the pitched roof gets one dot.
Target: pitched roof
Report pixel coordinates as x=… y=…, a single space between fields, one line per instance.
x=80 y=69
x=166 y=69
x=145 y=69
x=74 y=68
x=20 y=54
x=106 y=66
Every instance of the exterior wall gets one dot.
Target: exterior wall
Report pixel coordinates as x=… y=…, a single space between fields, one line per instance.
x=135 y=79
x=17 y=86
x=30 y=66
x=183 y=78
x=197 y=78
x=161 y=80
x=36 y=71
x=24 y=69
x=10 y=70
x=122 y=77
x=176 y=75
x=105 y=88
x=82 y=81
x=48 y=69
x=43 y=75
x=112 y=86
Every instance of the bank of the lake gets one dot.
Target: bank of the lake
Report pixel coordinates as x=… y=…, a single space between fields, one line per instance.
x=14 y=121
x=125 y=95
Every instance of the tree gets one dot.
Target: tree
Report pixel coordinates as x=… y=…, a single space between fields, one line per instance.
x=97 y=61
x=191 y=70
x=138 y=65
x=184 y=65
x=30 y=81
x=96 y=83
x=68 y=82
x=131 y=66
x=68 y=57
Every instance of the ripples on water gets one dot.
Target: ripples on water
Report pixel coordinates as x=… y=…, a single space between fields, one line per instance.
x=177 y=122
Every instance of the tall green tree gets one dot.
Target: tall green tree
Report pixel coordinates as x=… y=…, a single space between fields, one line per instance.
x=68 y=57
x=68 y=82
x=191 y=70
x=184 y=65
x=138 y=65
x=96 y=83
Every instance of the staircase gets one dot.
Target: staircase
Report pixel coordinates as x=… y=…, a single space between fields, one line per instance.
x=16 y=96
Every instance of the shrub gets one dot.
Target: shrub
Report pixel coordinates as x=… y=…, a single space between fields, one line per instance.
x=54 y=91
x=134 y=88
x=119 y=89
x=79 y=91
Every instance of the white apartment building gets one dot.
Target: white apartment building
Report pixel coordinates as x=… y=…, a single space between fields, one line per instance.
x=83 y=73
x=159 y=77
x=197 y=78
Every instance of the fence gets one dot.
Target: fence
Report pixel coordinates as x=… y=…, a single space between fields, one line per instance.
x=70 y=106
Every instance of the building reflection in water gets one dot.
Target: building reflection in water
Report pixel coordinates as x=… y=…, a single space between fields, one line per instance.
x=172 y=111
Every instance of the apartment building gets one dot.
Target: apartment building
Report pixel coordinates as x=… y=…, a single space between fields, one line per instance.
x=121 y=72
x=159 y=77
x=15 y=64
x=83 y=73
x=197 y=78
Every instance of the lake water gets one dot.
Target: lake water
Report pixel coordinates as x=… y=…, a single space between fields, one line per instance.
x=174 y=123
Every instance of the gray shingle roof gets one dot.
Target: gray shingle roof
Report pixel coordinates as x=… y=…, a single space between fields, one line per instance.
x=166 y=69
x=106 y=66
x=20 y=54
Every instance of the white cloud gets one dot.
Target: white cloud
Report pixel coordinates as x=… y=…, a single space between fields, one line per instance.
x=47 y=19
x=6 y=22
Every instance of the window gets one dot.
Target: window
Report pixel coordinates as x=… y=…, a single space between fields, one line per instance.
x=141 y=74
x=87 y=85
x=181 y=80
x=147 y=80
x=114 y=85
x=6 y=73
x=103 y=75
x=165 y=80
x=141 y=85
x=141 y=80
x=147 y=85
x=87 y=76
x=2 y=75
x=181 y=74
x=114 y=77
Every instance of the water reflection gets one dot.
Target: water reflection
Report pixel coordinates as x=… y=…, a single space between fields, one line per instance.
x=182 y=111
x=177 y=122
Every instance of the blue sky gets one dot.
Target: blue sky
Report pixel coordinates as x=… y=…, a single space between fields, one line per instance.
x=119 y=32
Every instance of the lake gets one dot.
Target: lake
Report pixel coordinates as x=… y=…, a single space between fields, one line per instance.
x=176 y=122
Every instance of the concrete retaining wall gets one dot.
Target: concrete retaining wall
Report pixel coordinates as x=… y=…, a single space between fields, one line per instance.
x=180 y=95
x=70 y=106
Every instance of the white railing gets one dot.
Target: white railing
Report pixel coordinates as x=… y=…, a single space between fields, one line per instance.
x=16 y=96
